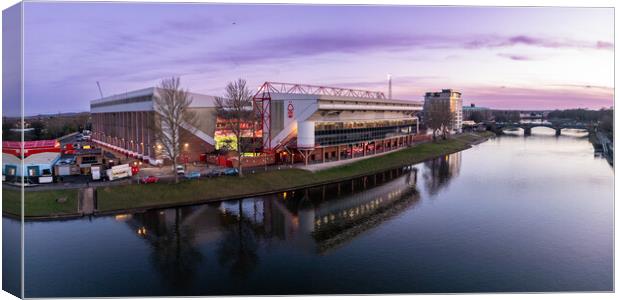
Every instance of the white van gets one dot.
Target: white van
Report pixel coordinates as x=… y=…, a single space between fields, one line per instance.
x=46 y=179
x=180 y=170
x=118 y=172
x=95 y=171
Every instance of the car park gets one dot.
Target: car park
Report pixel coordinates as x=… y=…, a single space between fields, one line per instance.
x=231 y=172
x=149 y=179
x=193 y=175
x=215 y=173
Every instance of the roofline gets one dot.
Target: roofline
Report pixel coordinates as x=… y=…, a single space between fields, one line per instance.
x=151 y=91
x=309 y=89
x=393 y=101
x=140 y=92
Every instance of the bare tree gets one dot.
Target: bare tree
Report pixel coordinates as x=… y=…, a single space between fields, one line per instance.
x=173 y=115
x=235 y=108
x=439 y=118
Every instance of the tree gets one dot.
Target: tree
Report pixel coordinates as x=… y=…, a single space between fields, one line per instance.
x=37 y=129
x=7 y=133
x=439 y=118
x=235 y=108
x=476 y=116
x=173 y=115
x=606 y=124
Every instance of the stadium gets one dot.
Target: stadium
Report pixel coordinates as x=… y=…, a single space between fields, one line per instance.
x=297 y=123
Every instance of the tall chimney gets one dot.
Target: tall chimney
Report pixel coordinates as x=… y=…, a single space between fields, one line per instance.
x=389 y=86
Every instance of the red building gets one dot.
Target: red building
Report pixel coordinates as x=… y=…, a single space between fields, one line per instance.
x=38 y=158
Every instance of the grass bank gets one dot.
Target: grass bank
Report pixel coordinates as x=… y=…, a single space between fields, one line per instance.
x=117 y=198
x=40 y=203
x=137 y=197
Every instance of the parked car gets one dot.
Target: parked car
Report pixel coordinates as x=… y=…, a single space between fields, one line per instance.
x=135 y=169
x=193 y=175
x=180 y=170
x=215 y=173
x=231 y=172
x=150 y=179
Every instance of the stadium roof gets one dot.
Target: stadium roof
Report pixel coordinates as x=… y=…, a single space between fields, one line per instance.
x=41 y=144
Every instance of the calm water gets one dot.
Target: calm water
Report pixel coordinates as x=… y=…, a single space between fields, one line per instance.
x=511 y=214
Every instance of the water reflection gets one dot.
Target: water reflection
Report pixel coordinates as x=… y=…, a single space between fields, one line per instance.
x=438 y=172
x=237 y=250
x=172 y=236
x=509 y=216
x=315 y=220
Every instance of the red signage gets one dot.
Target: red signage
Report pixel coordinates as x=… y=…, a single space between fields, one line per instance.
x=30 y=147
x=291 y=109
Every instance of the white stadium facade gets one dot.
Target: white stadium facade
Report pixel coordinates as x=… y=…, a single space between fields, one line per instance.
x=317 y=124
x=124 y=123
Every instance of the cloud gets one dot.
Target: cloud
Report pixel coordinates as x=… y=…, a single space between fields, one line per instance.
x=510 y=41
x=69 y=57
x=550 y=97
x=591 y=88
x=514 y=56
x=286 y=47
x=604 y=45
x=397 y=81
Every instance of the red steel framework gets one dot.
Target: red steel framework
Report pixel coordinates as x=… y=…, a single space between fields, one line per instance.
x=262 y=100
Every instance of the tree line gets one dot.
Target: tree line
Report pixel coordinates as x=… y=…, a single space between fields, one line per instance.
x=582 y=115
x=45 y=127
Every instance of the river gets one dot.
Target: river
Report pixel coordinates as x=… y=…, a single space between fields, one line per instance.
x=513 y=214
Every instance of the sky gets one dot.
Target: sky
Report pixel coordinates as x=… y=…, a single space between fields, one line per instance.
x=510 y=57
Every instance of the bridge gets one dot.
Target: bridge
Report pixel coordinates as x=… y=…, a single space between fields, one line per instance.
x=527 y=127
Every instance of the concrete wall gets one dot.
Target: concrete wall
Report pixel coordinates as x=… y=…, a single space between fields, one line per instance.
x=195 y=146
x=303 y=106
x=207 y=117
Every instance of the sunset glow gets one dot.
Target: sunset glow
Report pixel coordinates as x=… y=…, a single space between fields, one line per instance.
x=530 y=58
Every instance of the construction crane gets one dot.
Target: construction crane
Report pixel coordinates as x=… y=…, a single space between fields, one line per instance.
x=99 y=86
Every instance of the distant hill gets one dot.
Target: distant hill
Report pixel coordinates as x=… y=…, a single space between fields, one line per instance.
x=58 y=115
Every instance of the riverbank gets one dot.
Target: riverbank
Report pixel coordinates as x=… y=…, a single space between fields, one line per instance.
x=49 y=203
x=131 y=198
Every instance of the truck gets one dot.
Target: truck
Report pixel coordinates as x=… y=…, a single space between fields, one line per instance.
x=118 y=172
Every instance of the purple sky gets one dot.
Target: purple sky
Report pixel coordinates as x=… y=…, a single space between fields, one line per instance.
x=531 y=58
